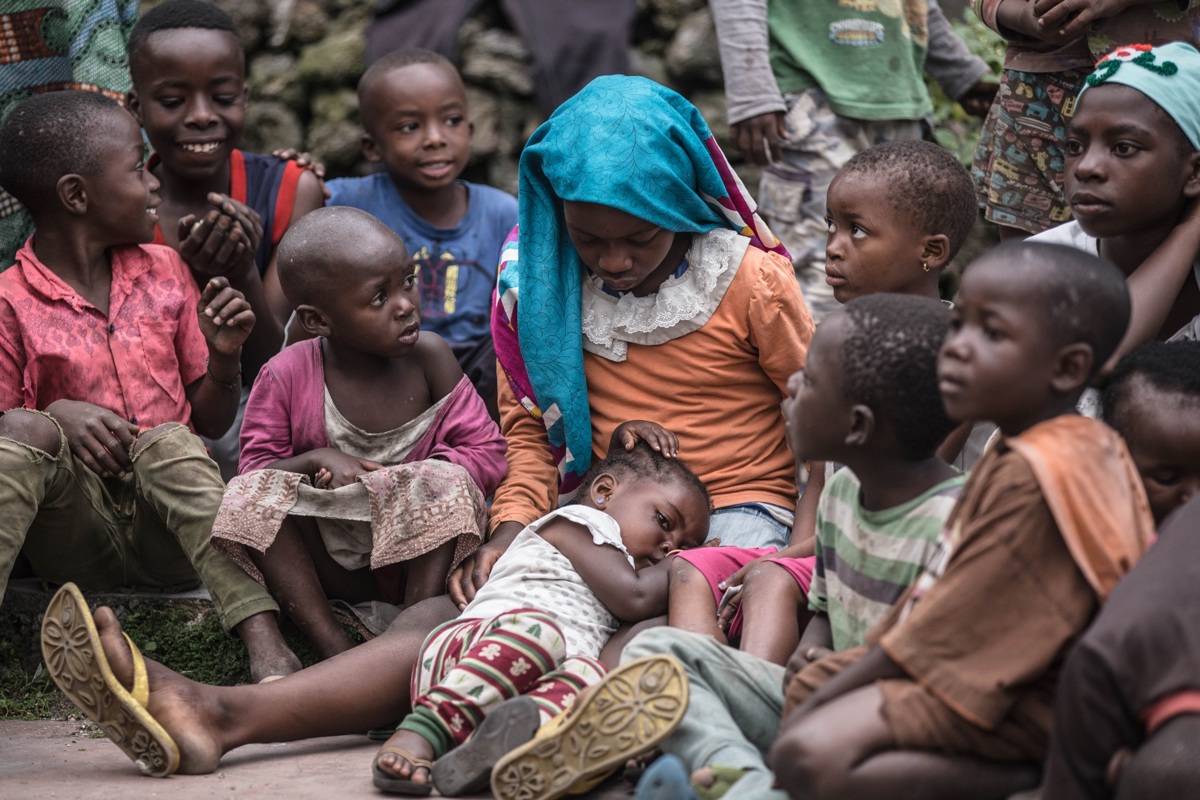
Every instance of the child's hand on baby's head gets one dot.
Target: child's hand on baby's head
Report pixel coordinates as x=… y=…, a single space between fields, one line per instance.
x=659 y=438
x=225 y=317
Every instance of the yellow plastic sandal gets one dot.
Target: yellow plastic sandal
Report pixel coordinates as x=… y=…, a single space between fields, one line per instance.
x=76 y=662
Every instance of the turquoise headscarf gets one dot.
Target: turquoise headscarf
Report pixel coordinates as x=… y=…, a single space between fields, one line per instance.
x=628 y=143
x=1168 y=74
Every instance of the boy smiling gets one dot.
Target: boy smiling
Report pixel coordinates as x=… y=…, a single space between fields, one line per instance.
x=414 y=111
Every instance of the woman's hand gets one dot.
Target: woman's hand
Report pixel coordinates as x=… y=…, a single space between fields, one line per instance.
x=659 y=438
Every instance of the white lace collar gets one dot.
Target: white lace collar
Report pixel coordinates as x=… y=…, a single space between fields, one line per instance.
x=680 y=306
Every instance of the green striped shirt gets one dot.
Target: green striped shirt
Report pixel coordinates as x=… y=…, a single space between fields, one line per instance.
x=866 y=559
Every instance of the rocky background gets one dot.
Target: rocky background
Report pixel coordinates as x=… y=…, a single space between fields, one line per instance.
x=304 y=58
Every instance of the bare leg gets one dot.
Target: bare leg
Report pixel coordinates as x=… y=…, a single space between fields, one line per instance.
x=844 y=750
x=426 y=574
x=363 y=688
x=291 y=573
x=774 y=612
x=610 y=656
x=269 y=654
x=690 y=604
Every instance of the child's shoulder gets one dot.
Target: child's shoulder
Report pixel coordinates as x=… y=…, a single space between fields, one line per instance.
x=439 y=363
x=494 y=200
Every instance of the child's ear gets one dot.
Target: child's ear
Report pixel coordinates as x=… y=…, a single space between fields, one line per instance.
x=1072 y=368
x=1191 y=187
x=936 y=251
x=72 y=193
x=370 y=149
x=313 y=319
x=134 y=105
x=862 y=425
x=602 y=488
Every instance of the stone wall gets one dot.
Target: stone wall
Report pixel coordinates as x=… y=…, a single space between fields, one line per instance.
x=304 y=58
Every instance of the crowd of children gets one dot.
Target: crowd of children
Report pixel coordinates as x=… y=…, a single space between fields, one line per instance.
x=931 y=567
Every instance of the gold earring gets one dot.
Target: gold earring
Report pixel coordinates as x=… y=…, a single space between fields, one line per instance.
x=925 y=266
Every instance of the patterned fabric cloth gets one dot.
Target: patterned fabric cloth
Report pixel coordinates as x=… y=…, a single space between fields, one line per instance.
x=866 y=559
x=623 y=142
x=49 y=45
x=412 y=509
x=1019 y=160
x=468 y=667
x=135 y=360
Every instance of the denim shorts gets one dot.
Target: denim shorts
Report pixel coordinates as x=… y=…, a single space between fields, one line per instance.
x=751 y=525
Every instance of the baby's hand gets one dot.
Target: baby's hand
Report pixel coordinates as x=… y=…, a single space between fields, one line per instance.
x=225 y=316
x=659 y=438
x=334 y=469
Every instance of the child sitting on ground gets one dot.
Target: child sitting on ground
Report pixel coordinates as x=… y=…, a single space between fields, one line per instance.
x=952 y=696
x=1133 y=179
x=1137 y=668
x=868 y=399
x=414 y=110
x=374 y=410
x=537 y=625
x=108 y=487
x=224 y=210
x=898 y=212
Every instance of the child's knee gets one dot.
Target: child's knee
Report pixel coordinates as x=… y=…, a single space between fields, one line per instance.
x=32 y=429
x=802 y=766
x=770 y=580
x=170 y=434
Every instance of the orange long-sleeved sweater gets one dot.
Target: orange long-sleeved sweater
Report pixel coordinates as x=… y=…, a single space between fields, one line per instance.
x=717 y=388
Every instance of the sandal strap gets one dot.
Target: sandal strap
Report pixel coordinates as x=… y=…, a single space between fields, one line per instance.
x=141 y=684
x=418 y=763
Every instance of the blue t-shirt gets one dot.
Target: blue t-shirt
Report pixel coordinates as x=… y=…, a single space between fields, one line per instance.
x=456 y=267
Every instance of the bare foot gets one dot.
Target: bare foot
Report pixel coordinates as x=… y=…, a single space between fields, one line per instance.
x=270 y=657
x=396 y=765
x=181 y=706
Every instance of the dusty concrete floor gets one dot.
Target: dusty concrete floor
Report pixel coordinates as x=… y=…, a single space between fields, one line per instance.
x=42 y=760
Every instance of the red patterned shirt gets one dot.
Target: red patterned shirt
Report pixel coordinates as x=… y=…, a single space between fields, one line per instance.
x=134 y=361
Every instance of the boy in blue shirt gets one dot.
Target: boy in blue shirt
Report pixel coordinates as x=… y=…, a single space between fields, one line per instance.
x=414 y=110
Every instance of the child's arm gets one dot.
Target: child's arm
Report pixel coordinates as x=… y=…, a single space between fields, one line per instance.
x=627 y=434
x=631 y=594
x=467 y=435
x=1070 y=19
x=756 y=106
x=225 y=322
x=1155 y=285
x=874 y=666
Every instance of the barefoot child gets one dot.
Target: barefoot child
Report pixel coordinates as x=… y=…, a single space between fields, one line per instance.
x=110 y=359
x=414 y=109
x=224 y=210
x=538 y=624
x=1138 y=666
x=366 y=455
x=1133 y=179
